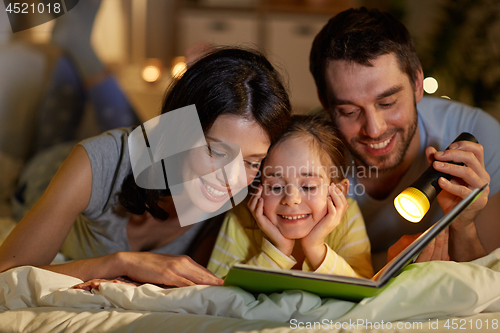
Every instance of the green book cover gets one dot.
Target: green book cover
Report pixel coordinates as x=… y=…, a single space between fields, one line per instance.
x=263 y=280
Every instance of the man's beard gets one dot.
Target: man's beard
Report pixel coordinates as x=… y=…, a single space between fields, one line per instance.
x=381 y=160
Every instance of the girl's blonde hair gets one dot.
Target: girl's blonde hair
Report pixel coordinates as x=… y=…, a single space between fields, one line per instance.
x=324 y=139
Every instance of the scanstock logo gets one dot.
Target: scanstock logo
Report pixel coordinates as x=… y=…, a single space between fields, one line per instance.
x=204 y=179
x=25 y=14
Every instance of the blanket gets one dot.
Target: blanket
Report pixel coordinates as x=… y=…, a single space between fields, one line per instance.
x=422 y=291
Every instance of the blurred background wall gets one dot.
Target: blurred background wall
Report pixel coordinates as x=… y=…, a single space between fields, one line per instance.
x=458 y=41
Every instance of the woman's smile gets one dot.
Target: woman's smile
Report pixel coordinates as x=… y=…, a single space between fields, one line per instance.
x=213 y=192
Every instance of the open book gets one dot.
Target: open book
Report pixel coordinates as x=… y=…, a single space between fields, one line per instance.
x=265 y=280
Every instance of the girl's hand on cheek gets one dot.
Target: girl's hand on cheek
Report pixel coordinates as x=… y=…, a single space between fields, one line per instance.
x=256 y=206
x=313 y=243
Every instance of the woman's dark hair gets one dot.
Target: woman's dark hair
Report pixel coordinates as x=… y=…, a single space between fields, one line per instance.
x=227 y=81
x=361 y=35
x=323 y=137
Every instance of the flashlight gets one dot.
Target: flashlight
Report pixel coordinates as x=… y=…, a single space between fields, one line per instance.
x=414 y=202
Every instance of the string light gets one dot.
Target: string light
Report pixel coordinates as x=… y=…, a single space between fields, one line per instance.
x=430 y=85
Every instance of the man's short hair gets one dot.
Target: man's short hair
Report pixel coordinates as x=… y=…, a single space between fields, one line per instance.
x=361 y=35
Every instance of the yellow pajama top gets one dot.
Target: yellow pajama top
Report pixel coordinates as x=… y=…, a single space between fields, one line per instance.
x=241 y=241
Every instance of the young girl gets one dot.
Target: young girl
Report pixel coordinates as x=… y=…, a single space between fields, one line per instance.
x=304 y=220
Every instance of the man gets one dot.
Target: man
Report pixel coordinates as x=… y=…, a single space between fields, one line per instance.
x=370 y=80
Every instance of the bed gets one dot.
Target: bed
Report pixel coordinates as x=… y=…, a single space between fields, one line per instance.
x=434 y=296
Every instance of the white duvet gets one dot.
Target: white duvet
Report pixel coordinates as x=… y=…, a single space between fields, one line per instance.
x=422 y=291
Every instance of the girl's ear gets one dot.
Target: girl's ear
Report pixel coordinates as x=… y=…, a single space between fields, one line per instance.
x=344 y=186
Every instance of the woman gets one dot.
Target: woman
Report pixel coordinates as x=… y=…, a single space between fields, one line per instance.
x=93 y=211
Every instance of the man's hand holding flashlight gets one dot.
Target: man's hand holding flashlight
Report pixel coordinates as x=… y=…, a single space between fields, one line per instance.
x=467 y=177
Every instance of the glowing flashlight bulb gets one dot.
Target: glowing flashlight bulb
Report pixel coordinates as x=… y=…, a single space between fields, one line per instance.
x=412 y=204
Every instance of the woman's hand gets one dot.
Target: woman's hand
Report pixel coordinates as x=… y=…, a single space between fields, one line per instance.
x=169 y=270
x=95 y=283
x=256 y=206
x=314 y=243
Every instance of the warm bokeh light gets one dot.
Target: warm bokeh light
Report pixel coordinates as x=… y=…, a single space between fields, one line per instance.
x=152 y=70
x=178 y=66
x=151 y=73
x=430 y=85
x=446 y=97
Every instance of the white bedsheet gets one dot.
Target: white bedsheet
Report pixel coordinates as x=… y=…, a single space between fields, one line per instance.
x=423 y=291
x=53 y=320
